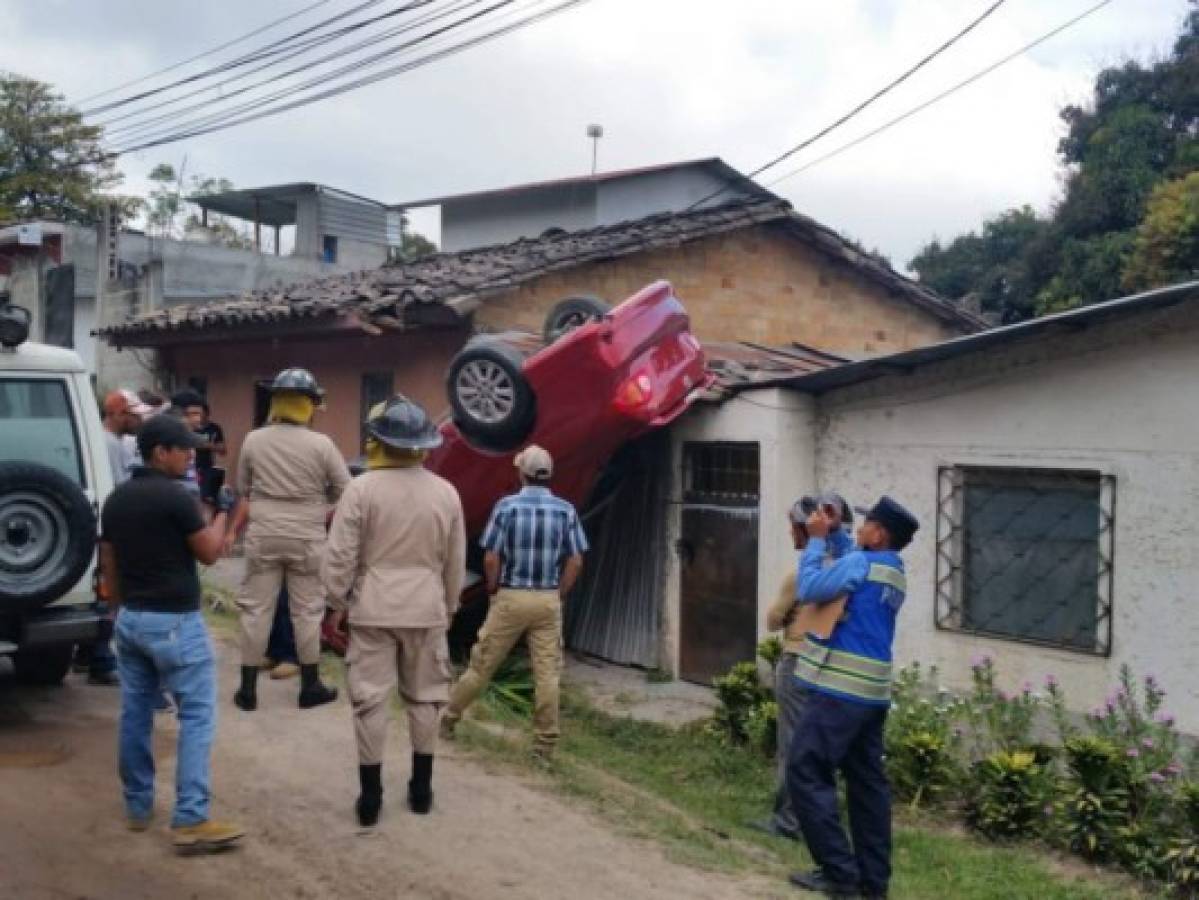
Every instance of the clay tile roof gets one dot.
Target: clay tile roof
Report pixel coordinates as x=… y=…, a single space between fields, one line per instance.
x=461 y=281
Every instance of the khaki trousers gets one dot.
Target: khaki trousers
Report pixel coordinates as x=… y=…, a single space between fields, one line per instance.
x=271 y=562
x=513 y=614
x=379 y=659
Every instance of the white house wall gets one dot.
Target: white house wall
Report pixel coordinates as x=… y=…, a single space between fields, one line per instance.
x=635 y=197
x=499 y=219
x=1123 y=401
x=781 y=423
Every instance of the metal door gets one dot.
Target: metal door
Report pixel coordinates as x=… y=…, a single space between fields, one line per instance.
x=718 y=554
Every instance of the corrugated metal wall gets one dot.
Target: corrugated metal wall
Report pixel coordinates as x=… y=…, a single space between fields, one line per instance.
x=353 y=219
x=616 y=612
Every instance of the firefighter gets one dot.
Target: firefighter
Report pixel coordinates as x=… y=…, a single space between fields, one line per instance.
x=289 y=474
x=396 y=561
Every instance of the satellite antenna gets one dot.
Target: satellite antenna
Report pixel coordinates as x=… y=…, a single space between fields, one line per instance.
x=595 y=132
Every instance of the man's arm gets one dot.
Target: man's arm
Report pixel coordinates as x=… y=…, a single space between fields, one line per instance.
x=571 y=569
x=454 y=570
x=493 y=564
x=779 y=613
x=818 y=584
x=340 y=565
x=576 y=546
x=337 y=473
x=218 y=440
x=109 y=577
x=237 y=524
x=206 y=544
x=492 y=542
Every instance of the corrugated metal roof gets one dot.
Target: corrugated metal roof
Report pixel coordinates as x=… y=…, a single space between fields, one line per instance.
x=910 y=360
x=273 y=205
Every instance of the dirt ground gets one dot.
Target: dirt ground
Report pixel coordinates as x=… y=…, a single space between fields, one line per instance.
x=290 y=777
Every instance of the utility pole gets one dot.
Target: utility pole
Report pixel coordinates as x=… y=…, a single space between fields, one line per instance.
x=595 y=132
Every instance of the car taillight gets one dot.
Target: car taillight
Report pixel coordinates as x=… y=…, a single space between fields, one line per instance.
x=634 y=392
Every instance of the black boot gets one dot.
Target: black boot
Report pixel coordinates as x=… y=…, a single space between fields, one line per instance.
x=370 y=800
x=420 y=787
x=247 y=695
x=312 y=691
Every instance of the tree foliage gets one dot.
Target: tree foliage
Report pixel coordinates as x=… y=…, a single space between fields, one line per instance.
x=1126 y=217
x=169 y=214
x=52 y=165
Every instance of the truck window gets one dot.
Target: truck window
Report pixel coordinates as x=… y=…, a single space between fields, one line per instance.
x=37 y=425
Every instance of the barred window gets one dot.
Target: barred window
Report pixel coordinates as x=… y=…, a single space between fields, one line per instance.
x=1026 y=554
x=721 y=471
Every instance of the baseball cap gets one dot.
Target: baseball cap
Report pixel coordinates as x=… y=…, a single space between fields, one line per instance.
x=123 y=401
x=891 y=515
x=534 y=462
x=165 y=431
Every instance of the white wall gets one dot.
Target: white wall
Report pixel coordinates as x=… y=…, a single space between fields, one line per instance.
x=781 y=423
x=1123 y=401
x=501 y=219
x=674 y=190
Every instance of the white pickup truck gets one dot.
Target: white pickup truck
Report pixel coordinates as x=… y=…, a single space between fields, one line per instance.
x=54 y=474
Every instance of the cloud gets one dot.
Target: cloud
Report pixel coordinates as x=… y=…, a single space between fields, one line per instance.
x=668 y=79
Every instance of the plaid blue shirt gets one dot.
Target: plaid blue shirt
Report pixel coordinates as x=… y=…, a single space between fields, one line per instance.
x=534 y=532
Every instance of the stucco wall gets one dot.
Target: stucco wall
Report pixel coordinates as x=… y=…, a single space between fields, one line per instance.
x=781 y=423
x=499 y=219
x=1121 y=400
x=417 y=361
x=753 y=285
x=673 y=190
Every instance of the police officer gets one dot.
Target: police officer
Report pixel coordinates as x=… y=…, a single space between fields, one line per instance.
x=848 y=677
x=396 y=561
x=289 y=474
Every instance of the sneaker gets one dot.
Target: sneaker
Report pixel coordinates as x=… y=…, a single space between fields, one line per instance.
x=205 y=837
x=772 y=827
x=816 y=882
x=138 y=823
x=104 y=679
x=284 y=670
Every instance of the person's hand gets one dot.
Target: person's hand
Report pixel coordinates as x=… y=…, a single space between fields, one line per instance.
x=336 y=619
x=227 y=544
x=819 y=524
x=832 y=512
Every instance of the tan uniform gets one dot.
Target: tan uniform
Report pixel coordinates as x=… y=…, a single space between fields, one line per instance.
x=396 y=559
x=290 y=475
x=780 y=616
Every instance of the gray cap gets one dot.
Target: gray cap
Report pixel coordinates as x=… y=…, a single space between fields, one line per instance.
x=809 y=503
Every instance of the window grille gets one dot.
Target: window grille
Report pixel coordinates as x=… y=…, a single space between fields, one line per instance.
x=1026 y=555
x=721 y=472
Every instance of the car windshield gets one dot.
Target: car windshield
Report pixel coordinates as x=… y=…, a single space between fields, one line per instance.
x=36 y=425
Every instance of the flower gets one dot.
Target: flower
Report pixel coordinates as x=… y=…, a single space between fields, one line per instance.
x=1051 y=681
x=1164 y=719
x=1147 y=743
x=1026 y=688
x=1173 y=769
x=1132 y=753
x=1156 y=777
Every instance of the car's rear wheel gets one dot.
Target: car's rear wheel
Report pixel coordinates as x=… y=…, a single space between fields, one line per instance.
x=47 y=535
x=43 y=665
x=491 y=399
x=572 y=313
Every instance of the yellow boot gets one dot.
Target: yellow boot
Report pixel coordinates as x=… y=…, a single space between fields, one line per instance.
x=205 y=837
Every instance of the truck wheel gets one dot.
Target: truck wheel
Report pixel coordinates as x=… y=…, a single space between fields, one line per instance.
x=47 y=535
x=492 y=401
x=43 y=665
x=572 y=313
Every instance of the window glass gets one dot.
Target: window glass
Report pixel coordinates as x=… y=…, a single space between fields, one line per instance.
x=37 y=425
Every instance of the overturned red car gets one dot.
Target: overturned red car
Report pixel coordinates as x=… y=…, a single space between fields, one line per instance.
x=597 y=379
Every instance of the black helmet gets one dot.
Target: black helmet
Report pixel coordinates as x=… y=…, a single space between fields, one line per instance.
x=300 y=381
x=404 y=425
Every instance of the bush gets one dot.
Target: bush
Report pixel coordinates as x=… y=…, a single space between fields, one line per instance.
x=770 y=650
x=761 y=727
x=739 y=693
x=1095 y=807
x=1181 y=860
x=999 y=721
x=922 y=737
x=1008 y=793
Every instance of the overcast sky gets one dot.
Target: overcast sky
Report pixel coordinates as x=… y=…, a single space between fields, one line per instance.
x=667 y=79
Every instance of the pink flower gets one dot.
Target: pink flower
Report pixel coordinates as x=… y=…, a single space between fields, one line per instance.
x=1026 y=688
x=1165 y=719
x=1147 y=743
x=1051 y=681
x=1133 y=752
x=1173 y=769
x=1156 y=777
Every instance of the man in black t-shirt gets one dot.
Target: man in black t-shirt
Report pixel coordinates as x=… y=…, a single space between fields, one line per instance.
x=152 y=536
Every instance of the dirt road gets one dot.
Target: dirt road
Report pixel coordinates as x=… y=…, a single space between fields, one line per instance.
x=290 y=777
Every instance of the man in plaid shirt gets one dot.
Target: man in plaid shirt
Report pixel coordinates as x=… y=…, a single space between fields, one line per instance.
x=534 y=547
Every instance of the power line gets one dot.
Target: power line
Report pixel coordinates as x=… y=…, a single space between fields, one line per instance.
x=354 y=85
x=209 y=52
x=277 y=46
x=308 y=65
x=946 y=93
x=853 y=112
x=206 y=121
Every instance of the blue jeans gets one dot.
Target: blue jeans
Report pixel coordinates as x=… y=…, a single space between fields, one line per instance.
x=170 y=651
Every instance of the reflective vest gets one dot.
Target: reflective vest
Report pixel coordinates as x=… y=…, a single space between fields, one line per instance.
x=854 y=663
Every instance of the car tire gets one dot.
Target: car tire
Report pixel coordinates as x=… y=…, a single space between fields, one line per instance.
x=45 y=665
x=491 y=398
x=47 y=535
x=571 y=313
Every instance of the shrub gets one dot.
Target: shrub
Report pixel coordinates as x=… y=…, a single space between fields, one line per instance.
x=761 y=727
x=922 y=737
x=739 y=692
x=1095 y=807
x=999 y=721
x=770 y=650
x=1181 y=861
x=1008 y=794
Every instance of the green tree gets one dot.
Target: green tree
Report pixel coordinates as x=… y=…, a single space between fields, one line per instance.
x=171 y=214
x=52 y=165
x=1166 y=246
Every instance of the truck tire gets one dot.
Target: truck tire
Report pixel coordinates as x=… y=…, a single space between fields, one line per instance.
x=47 y=535
x=572 y=313
x=43 y=665
x=491 y=398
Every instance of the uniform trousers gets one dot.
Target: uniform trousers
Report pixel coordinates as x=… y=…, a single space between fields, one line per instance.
x=271 y=563
x=515 y=614
x=841 y=735
x=791 y=697
x=417 y=661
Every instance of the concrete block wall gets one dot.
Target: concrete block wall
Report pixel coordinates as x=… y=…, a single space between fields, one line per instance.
x=755 y=285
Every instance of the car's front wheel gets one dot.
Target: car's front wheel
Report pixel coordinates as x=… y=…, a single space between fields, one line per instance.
x=491 y=399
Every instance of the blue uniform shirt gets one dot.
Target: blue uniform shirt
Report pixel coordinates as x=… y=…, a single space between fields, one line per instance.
x=534 y=532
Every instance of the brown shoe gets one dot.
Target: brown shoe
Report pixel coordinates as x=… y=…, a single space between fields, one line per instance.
x=205 y=837
x=284 y=670
x=133 y=823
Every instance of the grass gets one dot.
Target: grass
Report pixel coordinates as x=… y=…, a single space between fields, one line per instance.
x=688 y=791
